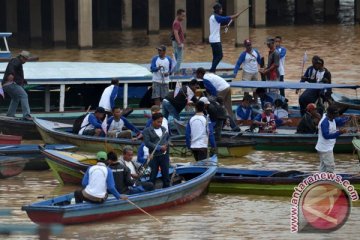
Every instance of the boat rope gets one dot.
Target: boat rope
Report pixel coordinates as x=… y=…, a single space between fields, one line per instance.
x=128 y=200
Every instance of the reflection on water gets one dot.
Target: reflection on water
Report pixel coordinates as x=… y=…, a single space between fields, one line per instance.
x=216 y=216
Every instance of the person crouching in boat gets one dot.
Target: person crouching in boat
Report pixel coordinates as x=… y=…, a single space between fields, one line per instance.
x=156 y=138
x=97 y=180
x=199 y=131
x=92 y=123
x=327 y=137
x=268 y=121
x=244 y=111
x=308 y=123
x=116 y=123
x=127 y=173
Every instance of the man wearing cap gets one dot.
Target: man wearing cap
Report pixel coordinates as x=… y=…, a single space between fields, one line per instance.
x=216 y=86
x=199 y=132
x=178 y=38
x=13 y=84
x=308 y=123
x=215 y=22
x=92 y=123
x=174 y=104
x=161 y=69
x=327 y=137
x=249 y=59
x=97 y=180
x=272 y=70
x=282 y=55
x=109 y=95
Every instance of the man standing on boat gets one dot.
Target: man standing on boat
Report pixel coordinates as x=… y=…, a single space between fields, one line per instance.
x=161 y=69
x=215 y=22
x=107 y=100
x=327 y=137
x=272 y=70
x=156 y=138
x=199 y=131
x=216 y=86
x=13 y=84
x=97 y=180
x=178 y=38
x=282 y=53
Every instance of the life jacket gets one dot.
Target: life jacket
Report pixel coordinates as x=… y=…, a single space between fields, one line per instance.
x=270 y=125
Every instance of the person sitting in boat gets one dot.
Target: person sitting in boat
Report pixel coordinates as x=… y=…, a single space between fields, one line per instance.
x=92 y=123
x=310 y=120
x=109 y=95
x=281 y=109
x=199 y=132
x=268 y=121
x=315 y=74
x=268 y=96
x=116 y=123
x=97 y=180
x=161 y=66
x=156 y=138
x=244 y=111
x=175 y=101
x=127 y=173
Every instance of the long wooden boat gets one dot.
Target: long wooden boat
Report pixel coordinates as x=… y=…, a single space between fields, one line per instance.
x=53 y=132
x=263 y=182
x=60 y=210
x=288 y=140
x=232 y=146
x=31 y=153
x=10 y=139
x=347 y=102
x=356 y=144
x=11 y=166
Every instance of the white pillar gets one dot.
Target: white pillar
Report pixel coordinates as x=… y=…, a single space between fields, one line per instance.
x=181 y=4
x=62 y=98
x=125 y=95
x=259 y=13
x=154 y=17
x=207 y=7
x=59 y=26
x=126 y=14
x=35 y=19
x=85 y=31
x=357 y=10
x=242 y=30
x=11 y=16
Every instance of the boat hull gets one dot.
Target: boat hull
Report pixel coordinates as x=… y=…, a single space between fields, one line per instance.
x=10 y=139
x=10 y=167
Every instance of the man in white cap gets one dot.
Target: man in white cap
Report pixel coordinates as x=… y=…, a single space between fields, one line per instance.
x=13 y=84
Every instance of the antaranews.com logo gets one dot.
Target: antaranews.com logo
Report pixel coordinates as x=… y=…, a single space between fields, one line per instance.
x=321 y=203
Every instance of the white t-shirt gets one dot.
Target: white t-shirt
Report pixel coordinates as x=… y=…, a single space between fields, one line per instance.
x=131 y=166
x=97 y=181
x=158 y=132
x=214 y=36
x=281 y=67
x=326 y=145
x=158 y=75
x=281 y=113
x=85 y=125
x=199 y=132
x=250 y=63
x=116 y=125
x=218 y=82
x=105 y=98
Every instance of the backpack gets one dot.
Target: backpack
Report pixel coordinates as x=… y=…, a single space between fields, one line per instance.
x=77 y=124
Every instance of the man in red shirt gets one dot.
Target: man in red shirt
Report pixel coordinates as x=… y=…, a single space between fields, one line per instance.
x=178 y=38
x=272 y=70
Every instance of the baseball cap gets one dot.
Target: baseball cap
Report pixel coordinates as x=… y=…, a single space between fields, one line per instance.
x=161 y=48
x=310 y=107
x=204 y=100
x=25 y=54
x=247 y=42
x=101 y=156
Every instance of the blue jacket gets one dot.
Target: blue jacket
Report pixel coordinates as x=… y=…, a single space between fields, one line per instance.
x=114 y=95
x=127 y=124
x=140 y=154
x=222 y=19
x=340 y=121
x=244 y=115
x=282 y=51
x=209 y=87
x=109 y=182
x=211 y=135
x=94 y=121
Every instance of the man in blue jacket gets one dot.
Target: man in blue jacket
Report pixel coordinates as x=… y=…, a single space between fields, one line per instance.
x=97 y=180
x=92 y=123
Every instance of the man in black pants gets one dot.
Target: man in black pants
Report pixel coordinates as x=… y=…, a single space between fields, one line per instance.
x=156 y=138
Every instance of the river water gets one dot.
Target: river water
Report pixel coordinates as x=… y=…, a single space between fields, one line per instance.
x=213 y=216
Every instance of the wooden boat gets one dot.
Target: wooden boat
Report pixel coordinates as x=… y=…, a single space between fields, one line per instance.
x=5 y=54
x=262 y=182
x=10 y=139
x=346 y=102
x=31 y=153
x=232 y=146
x=11 y=166
x=59 y=209
x=55 y=133
x=356 y=144
x=69 y=168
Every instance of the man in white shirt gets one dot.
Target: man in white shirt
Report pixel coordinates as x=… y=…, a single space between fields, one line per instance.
x=282 y=52
x=161 y=66
x=199 y=131
x=215 y=22
x=109 y=95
